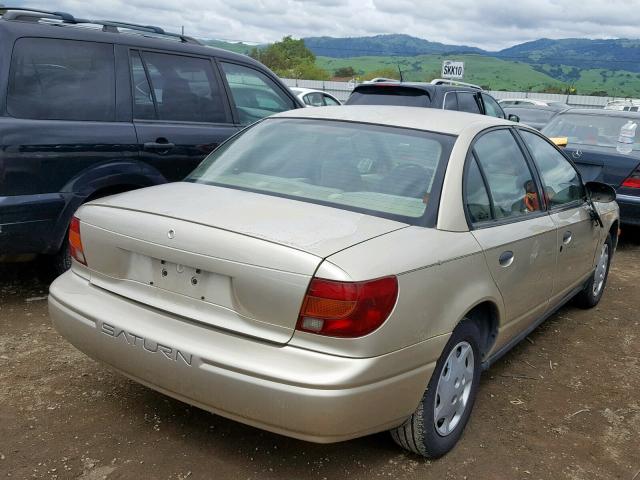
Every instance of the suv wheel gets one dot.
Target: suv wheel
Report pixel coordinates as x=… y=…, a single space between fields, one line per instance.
x=438 y=422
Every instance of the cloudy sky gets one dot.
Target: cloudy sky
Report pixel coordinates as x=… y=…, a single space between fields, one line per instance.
x=489 y=24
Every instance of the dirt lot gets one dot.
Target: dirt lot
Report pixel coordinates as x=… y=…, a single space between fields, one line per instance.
x=563 y=405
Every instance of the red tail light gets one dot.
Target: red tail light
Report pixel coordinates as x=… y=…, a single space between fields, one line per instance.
x=75 y=242
x=347 y=309
x=633 y=181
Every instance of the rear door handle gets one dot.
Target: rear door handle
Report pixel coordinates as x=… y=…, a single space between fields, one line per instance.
x=159 y=144
x=566 y=238
x=506 y=258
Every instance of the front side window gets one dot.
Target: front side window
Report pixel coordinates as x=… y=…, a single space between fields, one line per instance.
x=314 y=99
x=562 y=184
x=62 y=80
x=255 y=95
x=183 y=88
x=330 y=101
x=491 y=107
x=512 y=190
x=383 y=171
x=467 y=102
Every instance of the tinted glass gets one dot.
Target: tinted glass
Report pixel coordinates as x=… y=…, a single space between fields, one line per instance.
x=510 y=182
x=255 y=95
x=143 y=106
x=383 y=171
x=389 y=95
x=491 y=106
x=467 y=102
x=62 y=79
x=476 y=197
x=450 y=101
x=534 y=115
x=184 y=88
x=330 y=101
x=561 y=182
x=601 y=130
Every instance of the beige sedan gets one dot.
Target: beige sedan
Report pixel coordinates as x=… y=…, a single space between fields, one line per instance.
x=329 y=273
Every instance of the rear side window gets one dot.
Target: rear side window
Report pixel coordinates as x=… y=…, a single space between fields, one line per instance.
x=329 y=101
x=476 y=196
x=467 y=102
x=255 y=95
x=450 y=101
x=389 y=95
x=182 y=88
x=512 y=190
x=61 y=80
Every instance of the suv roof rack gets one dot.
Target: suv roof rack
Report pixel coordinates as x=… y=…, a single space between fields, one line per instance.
x=35 y=15
x=445 y=81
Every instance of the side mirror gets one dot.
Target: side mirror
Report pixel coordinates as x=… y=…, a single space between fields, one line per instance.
x=513 y=117
x=600 y=192
x=560 y=141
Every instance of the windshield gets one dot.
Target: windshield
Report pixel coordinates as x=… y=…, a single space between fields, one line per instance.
x=531 y=114
x=599 y=130
x=389 y=95
x=384 y=171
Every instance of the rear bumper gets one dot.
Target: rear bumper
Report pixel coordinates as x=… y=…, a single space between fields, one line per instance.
x=629 y=209
x=29 y=223
x=284 y=389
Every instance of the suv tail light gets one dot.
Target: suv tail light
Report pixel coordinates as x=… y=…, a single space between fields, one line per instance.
x=75 y=242
x=633 y=180
x=347 y=309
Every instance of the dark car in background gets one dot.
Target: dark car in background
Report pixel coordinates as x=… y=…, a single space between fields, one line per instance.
x=536 y=116
x=444 y=94
x=90 y=108
x=595 y=143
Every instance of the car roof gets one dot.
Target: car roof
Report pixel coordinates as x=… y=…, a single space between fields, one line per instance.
x=427 y=119
x=427 y=87
x=602 y=112
x=82 y=32
x=305 y=90
x=548 y=108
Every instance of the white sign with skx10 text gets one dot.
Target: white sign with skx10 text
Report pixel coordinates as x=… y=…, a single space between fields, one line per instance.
x=452 y=69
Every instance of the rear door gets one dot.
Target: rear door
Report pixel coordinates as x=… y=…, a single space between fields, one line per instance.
x=517 y=236
x=565 y=195
x=180 y=110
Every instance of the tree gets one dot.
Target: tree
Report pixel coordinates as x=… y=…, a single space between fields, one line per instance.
x=290 y=58
x=345 y=72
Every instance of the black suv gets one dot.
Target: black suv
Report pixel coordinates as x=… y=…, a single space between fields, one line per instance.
x=445 y=94
x=90 y=108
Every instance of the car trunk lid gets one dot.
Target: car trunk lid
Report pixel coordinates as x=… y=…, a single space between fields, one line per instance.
x=230 y=259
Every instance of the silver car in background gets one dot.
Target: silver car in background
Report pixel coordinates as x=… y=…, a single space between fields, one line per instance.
x=329 y=273
x=315 y=98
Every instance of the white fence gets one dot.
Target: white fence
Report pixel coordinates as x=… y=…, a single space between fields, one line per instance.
x=341 y=90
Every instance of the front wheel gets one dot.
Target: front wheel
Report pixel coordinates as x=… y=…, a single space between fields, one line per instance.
x=590 y=296
x=438 y=422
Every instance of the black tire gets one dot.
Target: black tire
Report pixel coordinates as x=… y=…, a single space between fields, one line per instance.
x=419 y=433
x=52 y=266
x=588 y=297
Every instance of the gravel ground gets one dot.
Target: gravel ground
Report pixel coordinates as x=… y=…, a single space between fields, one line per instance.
x=565 y=404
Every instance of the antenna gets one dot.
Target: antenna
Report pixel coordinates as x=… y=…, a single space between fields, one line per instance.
x=400 y=72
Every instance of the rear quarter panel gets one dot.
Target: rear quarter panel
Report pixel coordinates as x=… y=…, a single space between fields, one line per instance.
x=441 y=276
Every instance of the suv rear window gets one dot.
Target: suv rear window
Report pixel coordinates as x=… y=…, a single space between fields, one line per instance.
x=388 y=172
x=54 y=79
x=389 y=95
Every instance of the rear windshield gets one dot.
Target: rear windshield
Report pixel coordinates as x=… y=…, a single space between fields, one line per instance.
x=389 y=95
x=599 y=130
x=389 y=172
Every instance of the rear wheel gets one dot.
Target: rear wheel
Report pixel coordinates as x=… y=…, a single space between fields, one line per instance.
x=438 y=422
x=590 y=296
